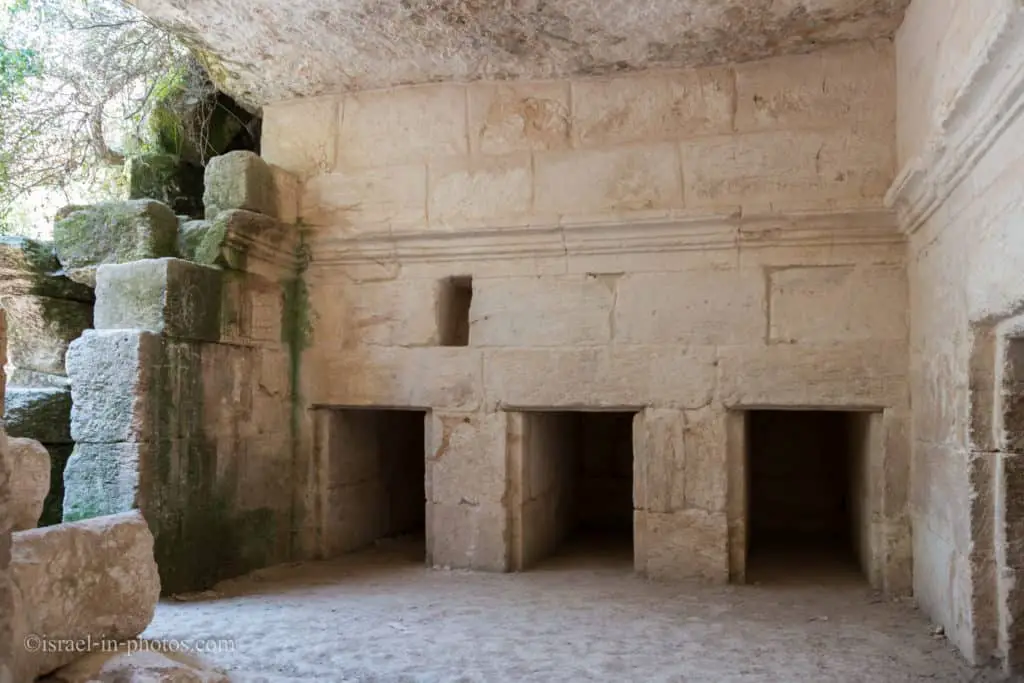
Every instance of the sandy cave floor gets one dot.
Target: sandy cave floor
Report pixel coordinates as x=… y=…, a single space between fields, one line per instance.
x=380 y=616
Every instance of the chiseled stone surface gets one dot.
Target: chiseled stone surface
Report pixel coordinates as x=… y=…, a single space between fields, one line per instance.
x=93 y=579
x=318 y=46
x=30 y=481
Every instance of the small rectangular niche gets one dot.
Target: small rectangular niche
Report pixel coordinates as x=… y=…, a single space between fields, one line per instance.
x=454 y=299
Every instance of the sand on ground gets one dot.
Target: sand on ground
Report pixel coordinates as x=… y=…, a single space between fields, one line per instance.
x=380 y=616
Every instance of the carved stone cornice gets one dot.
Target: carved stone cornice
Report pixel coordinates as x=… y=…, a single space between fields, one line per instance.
x=623 y=236
x=982 y=108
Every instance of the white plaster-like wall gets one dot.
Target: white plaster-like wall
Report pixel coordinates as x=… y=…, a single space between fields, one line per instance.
x=676 y=243
x=961 y=138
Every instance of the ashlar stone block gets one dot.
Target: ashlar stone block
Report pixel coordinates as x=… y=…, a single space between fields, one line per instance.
x=28 y=266
x=40 y=413
x=236 y=239
x=663 y=106
x=31 y=481
x=390 y=127
x=166 y=296
x=512 y=117
x=113 y=232
x=113 y=376
x=466 y=459
x=467 y=536
x=103 y=479
x=95 y=580
x=39 y=330
x=239 y=180
x=720 y=306
x=683 y=545
x=542 y=312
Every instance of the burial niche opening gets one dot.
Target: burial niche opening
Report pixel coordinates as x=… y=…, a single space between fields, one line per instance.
x=575 y=487
x=808 y=515
x=454 y=299
x=375 y=479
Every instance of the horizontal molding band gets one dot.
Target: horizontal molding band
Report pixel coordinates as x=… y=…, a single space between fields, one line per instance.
x=624 y=236
x=983 y=107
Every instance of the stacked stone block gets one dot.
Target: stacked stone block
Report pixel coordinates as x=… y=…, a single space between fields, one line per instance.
x=45 y=312
x=182 y=393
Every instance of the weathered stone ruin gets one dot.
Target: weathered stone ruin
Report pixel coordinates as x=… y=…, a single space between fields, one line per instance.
x=723 y=284
x=93 y=580
x=45 y=312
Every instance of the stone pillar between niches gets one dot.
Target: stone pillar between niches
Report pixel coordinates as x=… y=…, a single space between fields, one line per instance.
x=466 y=480
x=679 y=492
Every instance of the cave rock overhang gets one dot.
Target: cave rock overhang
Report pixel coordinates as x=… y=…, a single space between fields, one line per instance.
x=264 y=51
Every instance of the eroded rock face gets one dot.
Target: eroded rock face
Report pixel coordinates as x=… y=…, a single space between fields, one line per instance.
x=91 y=581
x=281 y=51
x=113 y=232
x=30 y=482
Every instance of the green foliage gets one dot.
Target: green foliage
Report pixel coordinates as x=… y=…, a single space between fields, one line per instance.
x=167 y=128
x=16 y=66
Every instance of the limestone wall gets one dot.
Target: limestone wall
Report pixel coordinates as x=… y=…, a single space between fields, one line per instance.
x=960 y=196
x=682 y=244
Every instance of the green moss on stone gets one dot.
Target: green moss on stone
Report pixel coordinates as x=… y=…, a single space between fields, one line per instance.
x=166 y=178
x=115 y=232
x=53 y=505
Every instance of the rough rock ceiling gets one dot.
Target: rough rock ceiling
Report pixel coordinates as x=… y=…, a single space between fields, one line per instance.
x=272 y=50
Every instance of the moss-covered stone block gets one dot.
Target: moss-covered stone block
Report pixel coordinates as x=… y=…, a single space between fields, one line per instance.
x=239 y=180
x=29 y=266
x=114 y=232
x=236 y=237
x=103 y=479
x=53 y=505
x=40 y=328
x=168 y=179
x=191 y=236
x=43 y=414
x=166 y=296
